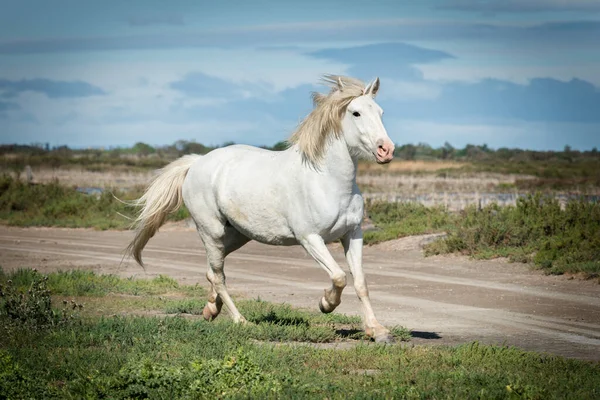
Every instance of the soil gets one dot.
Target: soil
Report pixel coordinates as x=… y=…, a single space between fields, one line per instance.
x=442 y=299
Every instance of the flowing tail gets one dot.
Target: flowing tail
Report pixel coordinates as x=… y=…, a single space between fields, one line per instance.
x=162 y=197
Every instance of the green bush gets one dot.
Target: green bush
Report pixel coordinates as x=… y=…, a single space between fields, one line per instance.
x=31 y=308
x=535 y=230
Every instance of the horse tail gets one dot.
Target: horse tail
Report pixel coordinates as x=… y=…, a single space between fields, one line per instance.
x=162 y=197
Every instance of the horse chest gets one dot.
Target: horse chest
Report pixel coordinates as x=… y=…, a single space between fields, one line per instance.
x=349 y=216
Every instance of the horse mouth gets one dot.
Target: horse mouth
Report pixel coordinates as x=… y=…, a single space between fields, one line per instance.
x=381 y=160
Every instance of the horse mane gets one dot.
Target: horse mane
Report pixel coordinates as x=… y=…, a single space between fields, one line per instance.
x=325 y=120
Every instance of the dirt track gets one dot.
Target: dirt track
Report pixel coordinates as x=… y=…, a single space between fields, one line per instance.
x=444 y=300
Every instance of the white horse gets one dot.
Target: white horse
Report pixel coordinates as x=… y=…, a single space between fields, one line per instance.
x=304 y=195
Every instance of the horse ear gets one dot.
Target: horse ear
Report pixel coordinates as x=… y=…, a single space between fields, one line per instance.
x=340 y=83
x=367 y=89
x=373 y=88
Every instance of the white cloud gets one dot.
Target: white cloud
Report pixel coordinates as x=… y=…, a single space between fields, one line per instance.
x=407 y=90
x=518 y=63
x=139 y=99
x=278 y=69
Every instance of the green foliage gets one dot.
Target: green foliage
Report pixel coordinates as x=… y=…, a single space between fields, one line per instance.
x=536 y=230
x=143 y=149
x=31 y=308
x=22 y=204
x=88 y=283
x=236 y=375
x=279 y=146
x=173 y=357
x=395 y=220
x=401 y=333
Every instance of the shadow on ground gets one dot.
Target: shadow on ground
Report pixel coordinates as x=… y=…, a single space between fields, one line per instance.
x=424 y=335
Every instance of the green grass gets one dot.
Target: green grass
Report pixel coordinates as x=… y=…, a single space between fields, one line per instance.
x=536 y=230
x=53 y=204
x=396 y=220
x=132 y=356
x=87 y=283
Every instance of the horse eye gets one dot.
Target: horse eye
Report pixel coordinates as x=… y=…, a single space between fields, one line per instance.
x=356 y=114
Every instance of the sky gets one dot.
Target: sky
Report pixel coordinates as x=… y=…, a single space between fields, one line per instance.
x=512 y=73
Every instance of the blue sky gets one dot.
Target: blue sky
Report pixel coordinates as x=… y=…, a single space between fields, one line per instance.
x=512 y=73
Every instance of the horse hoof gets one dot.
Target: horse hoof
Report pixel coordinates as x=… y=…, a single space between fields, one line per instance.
x=385 y=338
x=210 y=311
x=325 y=308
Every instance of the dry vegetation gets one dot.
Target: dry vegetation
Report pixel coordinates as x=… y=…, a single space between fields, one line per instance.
x=414 y=166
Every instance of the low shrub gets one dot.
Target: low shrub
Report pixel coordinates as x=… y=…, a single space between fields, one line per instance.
x=31 y=308
x=536 y=230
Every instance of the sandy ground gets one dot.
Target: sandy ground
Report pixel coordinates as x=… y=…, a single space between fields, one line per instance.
x=443 y=300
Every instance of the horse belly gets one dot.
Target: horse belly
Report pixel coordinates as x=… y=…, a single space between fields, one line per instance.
x=262 y=225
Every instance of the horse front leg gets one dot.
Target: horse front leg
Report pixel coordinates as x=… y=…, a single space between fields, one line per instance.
x=315 y=246
x=353 y=242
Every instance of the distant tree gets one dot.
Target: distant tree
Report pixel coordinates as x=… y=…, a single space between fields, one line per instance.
x=143 y=149
x=282 y=145
x=568 y=153
x=406 y=152
x=196 y=148
x=180 y=145
x=62 y=151
x=447 y=152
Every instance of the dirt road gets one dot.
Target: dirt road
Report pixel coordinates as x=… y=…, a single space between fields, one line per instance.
x=444 y=300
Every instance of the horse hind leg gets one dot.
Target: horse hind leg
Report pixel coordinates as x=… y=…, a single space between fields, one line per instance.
x=213 y=306
x=216 y=251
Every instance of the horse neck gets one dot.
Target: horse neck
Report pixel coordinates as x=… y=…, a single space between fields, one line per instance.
x=339 y=163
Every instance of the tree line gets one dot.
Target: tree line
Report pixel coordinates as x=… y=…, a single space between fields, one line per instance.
x=420 y=151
